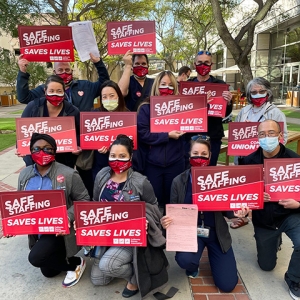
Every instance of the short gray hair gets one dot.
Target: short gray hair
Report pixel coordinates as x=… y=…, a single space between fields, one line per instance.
x=259 y=81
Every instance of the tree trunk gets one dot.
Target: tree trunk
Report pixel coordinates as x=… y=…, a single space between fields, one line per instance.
x=246 y=73
x=246 y=32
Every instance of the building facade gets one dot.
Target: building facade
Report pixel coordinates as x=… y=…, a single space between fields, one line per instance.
x=276 y=51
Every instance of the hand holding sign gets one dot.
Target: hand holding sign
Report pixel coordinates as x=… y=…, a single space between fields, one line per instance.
x=175 y=134
x=241 y=213
x=94 y=59
x=267 y=197
x=289 y=204
x=227 y=96
x=78 y=151
x=19 y=154
x=127 y=58
x=23 y=63
x=103 y=150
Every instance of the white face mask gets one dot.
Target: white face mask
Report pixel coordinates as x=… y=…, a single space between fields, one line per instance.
x=257 y=96
x=110 y=105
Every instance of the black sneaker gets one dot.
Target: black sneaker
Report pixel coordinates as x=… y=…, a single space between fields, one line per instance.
x=294 y=287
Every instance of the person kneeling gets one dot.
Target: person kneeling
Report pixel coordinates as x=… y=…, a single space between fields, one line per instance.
x=218 y=240
x=49 y=252
x=144 y=268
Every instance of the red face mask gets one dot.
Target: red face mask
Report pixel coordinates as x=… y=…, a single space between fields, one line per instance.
x=140 y=71
x=166 y=91
x=259 y=101
x=203 y=69
x=42 y=158
x=67 y=78
x=119 y=166
x=54 y=99
x=199 y=161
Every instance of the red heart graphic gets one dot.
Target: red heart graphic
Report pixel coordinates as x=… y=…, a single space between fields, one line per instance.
x=80 y=93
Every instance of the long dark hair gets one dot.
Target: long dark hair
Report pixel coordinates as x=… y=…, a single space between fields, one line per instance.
x=55 y=78
x=112 y=84
x=125 y=141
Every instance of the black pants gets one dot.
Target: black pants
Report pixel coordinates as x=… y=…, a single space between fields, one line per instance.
x=87 y=178
x=49 y=254
x=268 y=240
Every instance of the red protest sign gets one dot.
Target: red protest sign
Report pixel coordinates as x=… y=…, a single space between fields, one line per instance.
x=186 y=113
x=34 y=212
x=201 y=88
x=217 y=107
x=243 y=138
x=98 y=129
x=111 y=223
x=136 y=36
x=46 y=43
x=227 y=188
x=62 y=129
x=282 y=178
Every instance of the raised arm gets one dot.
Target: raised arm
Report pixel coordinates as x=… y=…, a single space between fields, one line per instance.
x=23 y=93
x=102 y=75
x=125 y=79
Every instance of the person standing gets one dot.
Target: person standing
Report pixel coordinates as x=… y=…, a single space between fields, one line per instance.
x=137 y=87
x=184 y=74
x=81 y=93
x=54 y=104
x=111 y=100
x=164 y=157
x=261 y=106
x=276 y=217
x=203 y=63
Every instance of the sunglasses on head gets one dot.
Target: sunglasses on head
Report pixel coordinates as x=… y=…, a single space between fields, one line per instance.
x=201 y=137
x=204 y=52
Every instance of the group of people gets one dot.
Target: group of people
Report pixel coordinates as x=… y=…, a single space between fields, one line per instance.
x=157 y=173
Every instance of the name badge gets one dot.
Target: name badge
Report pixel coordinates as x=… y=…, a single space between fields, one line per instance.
x=203 y=232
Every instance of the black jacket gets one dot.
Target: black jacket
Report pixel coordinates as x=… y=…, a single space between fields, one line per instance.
x=178 y=191
x=81 y=92
x=35 y=108
x=273 y=214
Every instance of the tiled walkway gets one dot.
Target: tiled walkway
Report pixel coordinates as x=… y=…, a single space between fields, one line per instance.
x=203 y=287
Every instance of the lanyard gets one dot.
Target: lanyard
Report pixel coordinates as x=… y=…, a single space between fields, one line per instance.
x=202 y=219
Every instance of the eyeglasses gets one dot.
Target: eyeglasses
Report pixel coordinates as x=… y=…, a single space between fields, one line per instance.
x=187 y=76
x=204 y=52
x=200 y=137
x=271 y=133
x=261 y=92
x=47 y=150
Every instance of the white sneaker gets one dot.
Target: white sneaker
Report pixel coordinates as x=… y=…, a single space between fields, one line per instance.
x=73 y=276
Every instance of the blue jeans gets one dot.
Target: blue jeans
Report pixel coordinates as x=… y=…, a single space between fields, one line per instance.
x=267 y=241
x=223 y=265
